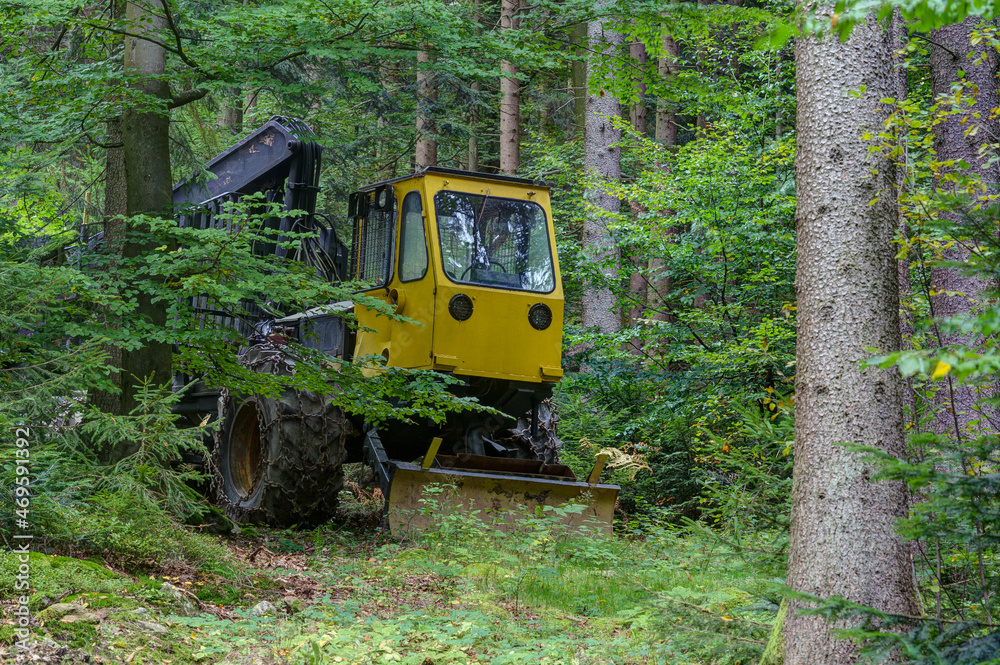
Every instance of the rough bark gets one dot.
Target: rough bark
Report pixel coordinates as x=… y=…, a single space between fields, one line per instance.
x=579 y=80
x=473 y=121
x=637 y=113
x=602 y=159
x=231 y=114
x=638 y=279
x=843 y=539
x=953 y=403
x=426 y=149
x=668 y=68
x=510 y=98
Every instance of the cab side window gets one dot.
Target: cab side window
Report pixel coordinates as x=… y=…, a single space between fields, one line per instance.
x=374 y=237
x=412 y=240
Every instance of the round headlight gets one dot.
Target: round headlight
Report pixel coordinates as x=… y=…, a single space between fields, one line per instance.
x=460 y=307
x=540 y=316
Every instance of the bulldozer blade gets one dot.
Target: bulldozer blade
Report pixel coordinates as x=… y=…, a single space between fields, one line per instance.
x=419 y=498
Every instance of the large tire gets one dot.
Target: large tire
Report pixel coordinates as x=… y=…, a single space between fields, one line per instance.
x=278 y=461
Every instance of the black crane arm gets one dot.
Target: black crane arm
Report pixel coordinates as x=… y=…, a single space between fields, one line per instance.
x=282 y=160
x=281 y=150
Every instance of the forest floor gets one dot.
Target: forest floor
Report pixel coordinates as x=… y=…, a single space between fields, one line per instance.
x=348 y=593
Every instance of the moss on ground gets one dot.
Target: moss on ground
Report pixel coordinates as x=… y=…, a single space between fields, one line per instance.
x=57 y=576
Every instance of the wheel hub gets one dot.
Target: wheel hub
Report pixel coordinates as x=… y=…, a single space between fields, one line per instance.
x=244 y=449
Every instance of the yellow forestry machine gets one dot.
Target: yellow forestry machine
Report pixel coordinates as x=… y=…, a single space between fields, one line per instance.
x=469 y=260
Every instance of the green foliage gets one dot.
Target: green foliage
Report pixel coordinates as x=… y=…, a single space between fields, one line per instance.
x=842 y=17
x=718 y=74
x=919 y=15
x=713 y=239
x=749 y=509
x=150 y=431
x=132 y=512
x=912 y=640
x=224 y=269
x=718 y=217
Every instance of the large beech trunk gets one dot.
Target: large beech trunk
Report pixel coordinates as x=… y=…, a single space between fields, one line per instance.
x=843 y=530
x=148 y=185
x=146 y=150
x=138 y=183
x=115 y=210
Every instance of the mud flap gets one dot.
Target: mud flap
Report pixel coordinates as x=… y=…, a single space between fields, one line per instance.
x=503 y=497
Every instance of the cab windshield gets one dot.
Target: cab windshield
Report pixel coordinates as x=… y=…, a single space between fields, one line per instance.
x=492 y=241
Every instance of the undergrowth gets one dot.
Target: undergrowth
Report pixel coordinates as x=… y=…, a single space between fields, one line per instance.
x=461 y=592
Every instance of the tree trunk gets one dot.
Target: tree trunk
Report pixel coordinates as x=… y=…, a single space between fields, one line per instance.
x=115 y=209
x=473 y=121
x=426 y=152
x=666 y=134
x=602 y=159
x=579 y=71
x=231 y=115
x=510 y=98
x=146 y=153
x=667 y=68
x=638 y=278
x=637 y=115
x=843 y=537
x=137 y=182
x=950 y=44
x=473 y=161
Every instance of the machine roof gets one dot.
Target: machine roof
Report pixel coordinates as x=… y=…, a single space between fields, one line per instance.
x=441 y=170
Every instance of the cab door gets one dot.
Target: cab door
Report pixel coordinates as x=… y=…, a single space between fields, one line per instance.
x=392 y=252
x=412 y=290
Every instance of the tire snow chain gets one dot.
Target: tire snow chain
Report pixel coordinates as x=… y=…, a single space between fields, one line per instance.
x=263 y=358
